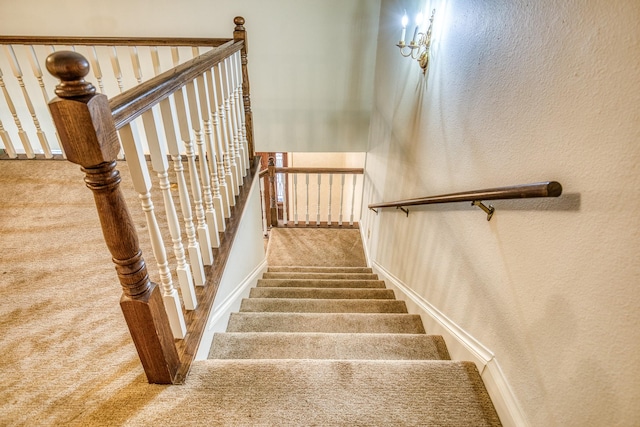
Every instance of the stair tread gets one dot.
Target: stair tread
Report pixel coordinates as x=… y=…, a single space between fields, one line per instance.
x=287 y=345
x=324 y=293
x=321 y=283
x=276 y=269
x=326 y=322
x=313 y=305
x=328 y=392
x=333 y=276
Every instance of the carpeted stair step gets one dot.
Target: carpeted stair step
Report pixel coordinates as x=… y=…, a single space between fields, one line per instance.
x=318 y=283
x=326 y=322
x=346 y=393
x=323 y=293
x=332 y=276
x=286 y=269
x=311 y=305
x=286 y=345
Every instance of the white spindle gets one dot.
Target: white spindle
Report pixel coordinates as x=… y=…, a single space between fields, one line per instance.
x=227 y=158
x=235 y=101
x=229 y=127
x=135 y=62
x=130 y=139
x=295 y=199
x=341 y=199
x=117 y=71
x=196 y=123
x=24 y=138
x=330 y=191
x=157 y=149
x=285 y=213
x=319 y=192
x=353 y=198
x=184 y=121
x=243 y=126
x=307 y=214
x=95 y=66
x=264 y=210
x=211 y=157
x=8 y=144
x=17 y=72
x=228 y=199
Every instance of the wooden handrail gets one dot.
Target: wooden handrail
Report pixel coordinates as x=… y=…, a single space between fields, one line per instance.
x=130 y=104
x=357 y=171
x=523 y=191
x=113 y=41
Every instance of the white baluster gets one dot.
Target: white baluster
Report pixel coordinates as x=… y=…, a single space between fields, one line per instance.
x=17 y=72
x=212 y=158
x=24 y=138
x=117 y=71
x=175 y=148
x=307 y=217
x=230 y=107
x=295 y=199
x=184 y=121
x=353 y=198
x=228 y=198
x=228 y=126
x=130 y=140
x=341 y=199
x=243 y=126
x=8 y=144
x=319 y=191
x=157 y=149
x=264 y=209
x=228 y=175
x=194 y=110
x=285 y=216
x=135 y=62
x=330 y=190
x=95 y=66
x=235 y=101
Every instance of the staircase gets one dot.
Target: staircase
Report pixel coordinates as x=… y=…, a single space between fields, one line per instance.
x=332 y=346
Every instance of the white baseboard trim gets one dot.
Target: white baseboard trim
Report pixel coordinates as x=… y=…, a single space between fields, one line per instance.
x=461 y=346
x=220 y=318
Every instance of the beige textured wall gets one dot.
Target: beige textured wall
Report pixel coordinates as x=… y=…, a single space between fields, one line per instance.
x=311 y=62
x=521 y=92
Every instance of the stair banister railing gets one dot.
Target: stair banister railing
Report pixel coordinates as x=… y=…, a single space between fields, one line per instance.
x=88 y=124
x=523 y=191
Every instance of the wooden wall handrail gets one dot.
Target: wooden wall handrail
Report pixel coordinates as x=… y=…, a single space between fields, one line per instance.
x=539 y=189
x=357 y=171
x=114 y=41
x=130 y=104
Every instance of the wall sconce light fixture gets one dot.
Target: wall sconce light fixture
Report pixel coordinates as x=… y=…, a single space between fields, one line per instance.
x=418 y=47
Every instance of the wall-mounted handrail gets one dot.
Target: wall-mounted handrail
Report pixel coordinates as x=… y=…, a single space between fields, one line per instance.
x=523 y=191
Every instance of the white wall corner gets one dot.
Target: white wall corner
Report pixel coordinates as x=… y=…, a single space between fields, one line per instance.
x=219 y=317
x=461 y=346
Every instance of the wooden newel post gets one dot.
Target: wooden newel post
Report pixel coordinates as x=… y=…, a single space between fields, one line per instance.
x=273 y=205
x=88 y=134
x=240 y=33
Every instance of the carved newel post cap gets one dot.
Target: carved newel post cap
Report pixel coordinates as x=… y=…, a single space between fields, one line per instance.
x=239 y=21
x=70 y=68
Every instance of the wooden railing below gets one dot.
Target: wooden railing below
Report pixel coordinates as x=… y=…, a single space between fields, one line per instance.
x=523 y=191
x=312 y=197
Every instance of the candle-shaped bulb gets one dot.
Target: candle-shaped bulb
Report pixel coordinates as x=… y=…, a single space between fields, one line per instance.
x=405 y=21
x=415 y=32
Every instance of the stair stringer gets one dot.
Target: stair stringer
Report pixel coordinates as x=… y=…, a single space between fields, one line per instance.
x=461 y=345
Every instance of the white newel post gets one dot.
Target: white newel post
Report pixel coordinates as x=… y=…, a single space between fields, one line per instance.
x=156 y=141
x=24 y=138
x=130 y=139
x=184 y=121
x=196 y=123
